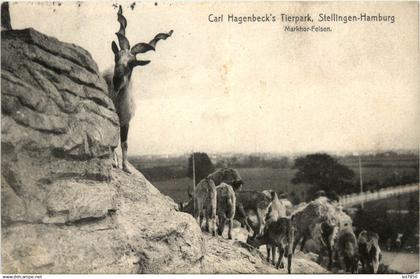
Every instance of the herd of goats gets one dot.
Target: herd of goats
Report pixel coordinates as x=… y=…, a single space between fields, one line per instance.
x=276 y=223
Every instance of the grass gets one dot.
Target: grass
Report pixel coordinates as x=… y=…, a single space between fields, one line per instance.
x=260 y=179
x=168 y=173
x=381 y=174
x=257 y=179
x=398 y=202
x=378 y=171
x=177 y=188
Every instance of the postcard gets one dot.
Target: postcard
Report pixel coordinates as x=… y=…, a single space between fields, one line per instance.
x=249 y=137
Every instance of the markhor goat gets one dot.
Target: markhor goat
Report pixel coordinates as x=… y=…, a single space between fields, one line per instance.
x=317 y=220
x=119 y=81
x=205 y=195
x=276 y=210
x=347 y=250
x=278 y=234
x=369 y=251
x=226 y=206
x=250 y=204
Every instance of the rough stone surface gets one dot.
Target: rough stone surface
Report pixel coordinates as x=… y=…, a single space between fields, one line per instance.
x=56 y=116
x=64 y=208
x=125 y=226
x=235 y=256
x=57 y=123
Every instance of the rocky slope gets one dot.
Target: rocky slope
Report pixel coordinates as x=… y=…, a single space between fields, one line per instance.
x=64 y=209
x=235 y=256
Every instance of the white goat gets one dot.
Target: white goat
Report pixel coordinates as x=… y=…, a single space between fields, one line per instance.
x=317 y=220
x=205 y=195
x=119 y=80
x=226 y=207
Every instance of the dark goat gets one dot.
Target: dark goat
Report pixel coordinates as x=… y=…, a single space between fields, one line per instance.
x=369 y=251
x=348 y=250
x=278 y=234
x=252 y=202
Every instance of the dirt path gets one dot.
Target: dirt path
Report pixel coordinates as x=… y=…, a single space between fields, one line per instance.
x=401 y=262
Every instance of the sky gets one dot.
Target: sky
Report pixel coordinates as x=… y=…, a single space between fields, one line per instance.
x=252 y=87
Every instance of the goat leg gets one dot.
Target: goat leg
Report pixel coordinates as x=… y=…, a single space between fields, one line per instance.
x=295 y=243
x=244 y=217
x=196 y=210
x=221 y=227
x=261 y=222
x=289 y=263
x=124 y=147
x=207 y=225
x=230 y=228
x=273 y=250
x=115 y=162
x=302 y=245
x=213 y=221
x=363 y=265
x=330 y=260
x=279 y=262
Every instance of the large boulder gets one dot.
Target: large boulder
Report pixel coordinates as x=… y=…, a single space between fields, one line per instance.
x=56 y=115
x=64 y=209
x=57 y=120
x=125 y=226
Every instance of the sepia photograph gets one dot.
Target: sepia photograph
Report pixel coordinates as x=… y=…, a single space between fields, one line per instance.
x=181 y=137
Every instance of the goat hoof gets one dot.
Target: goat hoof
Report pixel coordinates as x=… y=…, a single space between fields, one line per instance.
x=281 y=265
x=229 y=237
x=125 y=168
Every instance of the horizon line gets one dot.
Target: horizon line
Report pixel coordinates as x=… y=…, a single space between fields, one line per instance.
x=413 y=151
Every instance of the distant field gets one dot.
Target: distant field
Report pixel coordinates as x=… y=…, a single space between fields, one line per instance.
x=255 y=179
x=175 y=188
x=398 y=202
x=168 y=173
x=395 y=161
x=382 y=173
x=277 y=179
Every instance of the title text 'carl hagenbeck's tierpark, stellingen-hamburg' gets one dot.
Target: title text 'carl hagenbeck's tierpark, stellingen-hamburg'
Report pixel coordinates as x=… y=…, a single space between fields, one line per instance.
x=296 y=19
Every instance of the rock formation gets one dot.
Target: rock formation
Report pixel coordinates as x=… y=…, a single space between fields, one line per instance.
x=64 y=210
